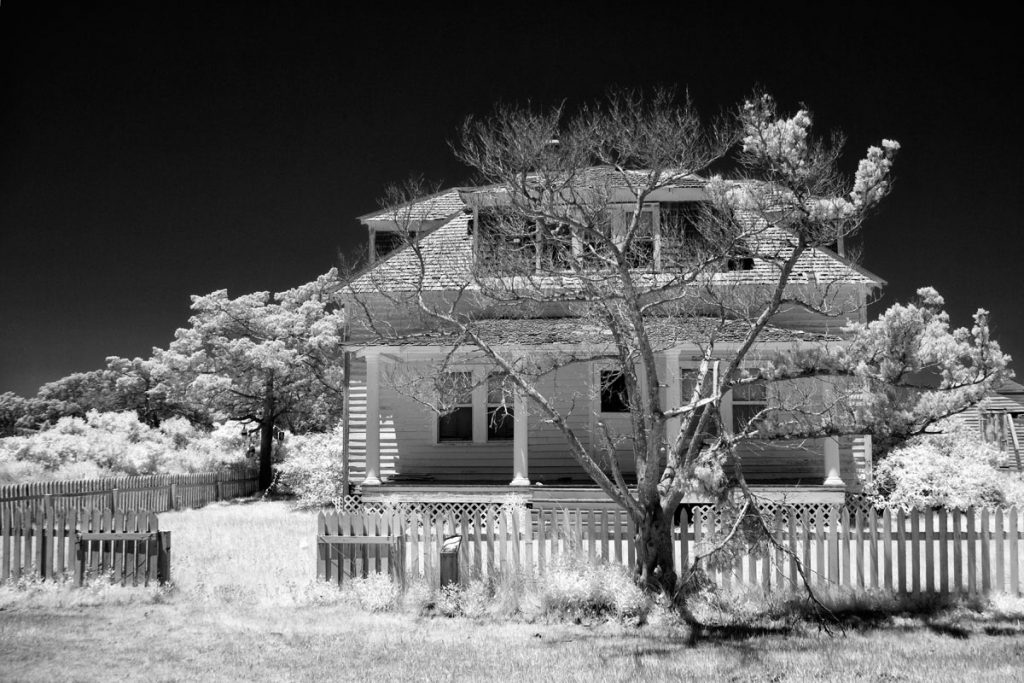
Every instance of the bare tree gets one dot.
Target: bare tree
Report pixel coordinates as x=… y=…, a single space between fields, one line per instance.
x=563 y=227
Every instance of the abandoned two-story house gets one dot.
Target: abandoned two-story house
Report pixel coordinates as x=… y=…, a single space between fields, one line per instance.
x=485 y=445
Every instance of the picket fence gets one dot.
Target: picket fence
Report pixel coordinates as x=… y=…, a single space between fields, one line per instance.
x=52 y=543
x=897 y=551
x=157 y=493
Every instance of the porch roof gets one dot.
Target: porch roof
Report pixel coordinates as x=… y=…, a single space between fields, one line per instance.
x=664 y=333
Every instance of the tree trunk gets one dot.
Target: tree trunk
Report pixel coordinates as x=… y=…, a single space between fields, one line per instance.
x=655 y=559
x=267 y=436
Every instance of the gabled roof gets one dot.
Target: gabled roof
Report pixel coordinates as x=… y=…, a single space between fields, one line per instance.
x=664 y=333
x=437 y=206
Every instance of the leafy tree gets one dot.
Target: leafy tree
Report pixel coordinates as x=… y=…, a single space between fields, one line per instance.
x=12 y=409
x=561 y=226
x=271 y=361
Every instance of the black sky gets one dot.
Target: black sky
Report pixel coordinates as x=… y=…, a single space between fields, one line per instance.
x=153 y=151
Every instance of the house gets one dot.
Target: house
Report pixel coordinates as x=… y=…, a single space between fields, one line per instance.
x=999 y=420
x=488 y=443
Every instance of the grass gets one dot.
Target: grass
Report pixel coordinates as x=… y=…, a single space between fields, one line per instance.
x=246 y=606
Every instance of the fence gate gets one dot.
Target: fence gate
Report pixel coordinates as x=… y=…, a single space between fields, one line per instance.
x=354 y=545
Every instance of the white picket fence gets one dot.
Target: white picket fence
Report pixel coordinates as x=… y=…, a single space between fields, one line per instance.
x=904 y=552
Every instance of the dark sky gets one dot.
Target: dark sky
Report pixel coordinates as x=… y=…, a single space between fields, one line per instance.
x=156 y=150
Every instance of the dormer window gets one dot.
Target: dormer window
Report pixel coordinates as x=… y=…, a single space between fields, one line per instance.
x=666 y=238
x=385 y=242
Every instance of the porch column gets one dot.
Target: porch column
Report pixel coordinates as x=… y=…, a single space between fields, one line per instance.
x=372 y=420
x=832 y=477
x=520 y=438
x=673 y=394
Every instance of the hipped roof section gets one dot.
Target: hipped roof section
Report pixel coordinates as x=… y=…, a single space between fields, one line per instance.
x=445 y=256
x=664 y=333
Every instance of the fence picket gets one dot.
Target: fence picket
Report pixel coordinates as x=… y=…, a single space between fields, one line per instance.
x=986 y=566
x=958 y=585
x=915 y=553
x=1014 y=553
x=846 y=543
x=972 y=568
x=1000 y=583
x=943 y=552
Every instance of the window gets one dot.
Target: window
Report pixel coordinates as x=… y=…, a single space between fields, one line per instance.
x=506 y=243
x=554 y=242
x=740 y=263
x=457 y=393
x=500 y=415
x=386 y=242
x=680 y=237
x=614 y=397
x=993 y=429
x=747 y=401
x=642 y=252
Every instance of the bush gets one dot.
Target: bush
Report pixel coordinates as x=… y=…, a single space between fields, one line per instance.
x=952 y=469
x=312 y=468
x=375 y=593
x=115 y=444
x=576 y=589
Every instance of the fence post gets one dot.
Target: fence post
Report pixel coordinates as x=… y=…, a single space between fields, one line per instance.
x=217 y=491
x=163 y=567
x=115 y=500
x=79 y=559
x=174 y=496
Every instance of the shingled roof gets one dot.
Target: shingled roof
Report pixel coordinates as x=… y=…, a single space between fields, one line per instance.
x=664 y=333
x=447 y=252
x=433 y=207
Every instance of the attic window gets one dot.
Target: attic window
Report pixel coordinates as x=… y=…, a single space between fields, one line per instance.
x=681 y=238
x=386 y=242
x=506 y=243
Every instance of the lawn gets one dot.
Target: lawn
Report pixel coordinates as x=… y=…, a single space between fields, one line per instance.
x=246 y=606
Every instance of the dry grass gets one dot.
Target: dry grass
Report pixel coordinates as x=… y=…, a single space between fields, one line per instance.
x=246 y=606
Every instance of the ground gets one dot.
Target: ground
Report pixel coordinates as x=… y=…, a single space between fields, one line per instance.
x=246 y=606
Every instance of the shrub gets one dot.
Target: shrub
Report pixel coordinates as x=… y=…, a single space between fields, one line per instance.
x=576 y=589
x=112 y=444
x=375 y=593
x=312 y=468
x=952 y=469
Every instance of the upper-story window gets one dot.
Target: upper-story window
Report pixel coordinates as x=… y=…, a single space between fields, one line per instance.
x=667 y=237
x=386 y=242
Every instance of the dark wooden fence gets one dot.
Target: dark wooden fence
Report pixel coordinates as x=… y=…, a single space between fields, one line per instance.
x=157 y=493
x=45 y=542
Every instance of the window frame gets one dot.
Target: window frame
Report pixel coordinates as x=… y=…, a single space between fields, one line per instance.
x=506 y=405
x=747 y=402
x=461 y=405
x=479 y=404
x=600 y=382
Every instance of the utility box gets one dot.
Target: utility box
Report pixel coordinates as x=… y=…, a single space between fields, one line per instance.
x=450 y=560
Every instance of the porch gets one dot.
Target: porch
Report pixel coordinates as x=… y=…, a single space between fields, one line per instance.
x=573 y=496
x=396 y=455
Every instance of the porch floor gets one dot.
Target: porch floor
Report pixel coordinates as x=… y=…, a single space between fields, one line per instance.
x=570 y=495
